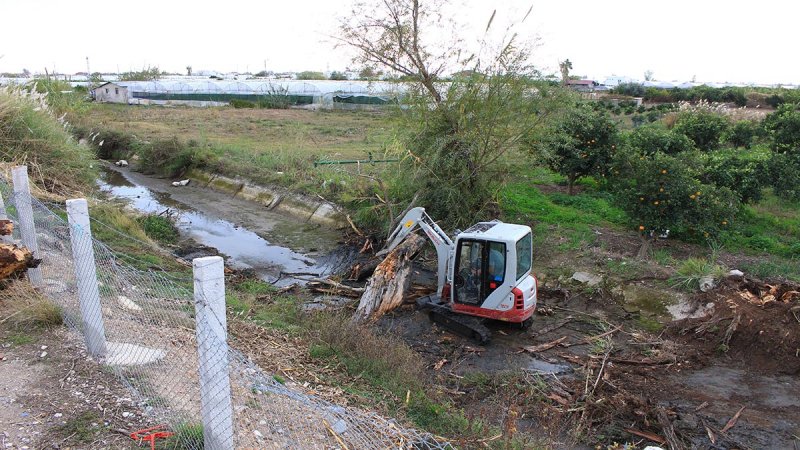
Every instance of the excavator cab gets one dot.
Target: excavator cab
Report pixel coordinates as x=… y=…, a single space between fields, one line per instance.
x=491 y=272
x=485 y=273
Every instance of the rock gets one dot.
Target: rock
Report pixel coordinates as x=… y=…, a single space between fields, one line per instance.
x=180 y=183
x=128 y=304
x=707 y=283
x=736 y=273
x=587 y=278
x=124 y=354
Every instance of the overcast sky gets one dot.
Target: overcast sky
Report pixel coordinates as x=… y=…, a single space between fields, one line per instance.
x=712 y=40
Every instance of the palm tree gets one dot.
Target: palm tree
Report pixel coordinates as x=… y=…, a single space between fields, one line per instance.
x=565 y=67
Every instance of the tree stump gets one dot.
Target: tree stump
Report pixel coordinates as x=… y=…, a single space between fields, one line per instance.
x=386 y=289
x=14 y=261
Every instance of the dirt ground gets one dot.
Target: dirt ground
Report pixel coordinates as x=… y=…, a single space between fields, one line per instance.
x=53 y=396
x=605 y=380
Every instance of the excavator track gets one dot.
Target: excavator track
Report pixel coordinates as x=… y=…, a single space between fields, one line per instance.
x=467 y=326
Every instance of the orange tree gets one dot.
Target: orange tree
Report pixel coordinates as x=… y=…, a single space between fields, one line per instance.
x=663 y=194
x=581 y=142
x=657 y=138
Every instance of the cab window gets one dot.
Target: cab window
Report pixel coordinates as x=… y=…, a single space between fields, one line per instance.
x=497 y=264
x=524 y=255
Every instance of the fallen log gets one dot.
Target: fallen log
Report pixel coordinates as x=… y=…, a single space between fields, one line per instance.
x=330 y=287
x=386 y=289
x=6 y=227
x=15 y=261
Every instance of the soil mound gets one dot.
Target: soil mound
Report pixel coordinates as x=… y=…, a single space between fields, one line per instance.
x=751 y=321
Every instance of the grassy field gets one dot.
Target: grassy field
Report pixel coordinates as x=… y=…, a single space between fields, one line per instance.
x=244 y=132
x=280 y=146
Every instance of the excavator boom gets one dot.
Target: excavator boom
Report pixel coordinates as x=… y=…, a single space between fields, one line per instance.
x=444 y=245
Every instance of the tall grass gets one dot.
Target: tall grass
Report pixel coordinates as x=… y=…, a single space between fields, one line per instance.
x=23 y=307
x=30 y=134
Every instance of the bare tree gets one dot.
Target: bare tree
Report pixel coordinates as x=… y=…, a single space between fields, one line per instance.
x=393 y=34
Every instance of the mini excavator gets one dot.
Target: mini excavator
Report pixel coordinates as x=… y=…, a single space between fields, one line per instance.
x=485 y=273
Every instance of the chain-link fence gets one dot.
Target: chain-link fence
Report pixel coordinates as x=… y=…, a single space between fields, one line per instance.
x=165 y=337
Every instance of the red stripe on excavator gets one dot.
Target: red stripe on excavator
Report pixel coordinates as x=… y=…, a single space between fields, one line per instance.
x=512 y=315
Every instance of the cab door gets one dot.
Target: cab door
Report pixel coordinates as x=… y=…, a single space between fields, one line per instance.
x=480 y=269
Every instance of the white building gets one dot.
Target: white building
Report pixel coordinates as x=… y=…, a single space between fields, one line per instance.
x=110 y=93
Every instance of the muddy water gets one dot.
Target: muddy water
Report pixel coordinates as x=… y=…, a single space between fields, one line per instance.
x=277 y=247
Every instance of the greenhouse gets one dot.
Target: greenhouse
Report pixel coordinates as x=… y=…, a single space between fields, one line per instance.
x=323 y=93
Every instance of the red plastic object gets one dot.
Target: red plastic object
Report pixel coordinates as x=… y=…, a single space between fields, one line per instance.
x=151 y=434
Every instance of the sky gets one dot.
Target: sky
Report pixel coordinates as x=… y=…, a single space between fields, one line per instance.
x=680 y=40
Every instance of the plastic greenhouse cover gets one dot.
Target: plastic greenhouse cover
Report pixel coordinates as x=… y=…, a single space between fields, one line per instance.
x=256 y=87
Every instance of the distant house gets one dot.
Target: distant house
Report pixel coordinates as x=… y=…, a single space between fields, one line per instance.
x=582 y=85
x=110 y=93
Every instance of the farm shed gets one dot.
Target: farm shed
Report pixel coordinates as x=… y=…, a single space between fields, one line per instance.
x=110 y=93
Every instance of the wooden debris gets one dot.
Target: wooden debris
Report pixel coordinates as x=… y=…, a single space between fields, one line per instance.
x=733 y=420
x=6 y=227
x=363 y=270
x=553 y=327
x=647 y=435
x=669 y=430
x=790 y=296
x=14 y=261
x=702 y=405
x=335 y=436
x=439 y=364
x=545 y=346
x=386 y=289
x=558 y=399
x=331 y=287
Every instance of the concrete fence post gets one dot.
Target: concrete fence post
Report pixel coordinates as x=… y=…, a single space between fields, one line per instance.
x=3 y=215
x=212 y=348
x=27 y=227
x=80 y=234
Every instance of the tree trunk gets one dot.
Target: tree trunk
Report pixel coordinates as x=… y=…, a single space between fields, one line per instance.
x=644 y=250
x=14 y=261
x=386 y=289
x=570 y=184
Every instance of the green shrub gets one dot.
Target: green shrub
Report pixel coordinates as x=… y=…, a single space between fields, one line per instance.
x=160 y=228
x=650 y=139
x=742 y=133
x=239 y=103
x=632 y=89
x=274 y=101
x=774 y=100
x=310 y=75
x=745 y=173
x=581 y=143
x=704 y=128
x=785 y=175
x=783 y=127
x=168 y=157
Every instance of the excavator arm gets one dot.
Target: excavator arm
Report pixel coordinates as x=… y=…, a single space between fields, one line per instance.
x=444 y=245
